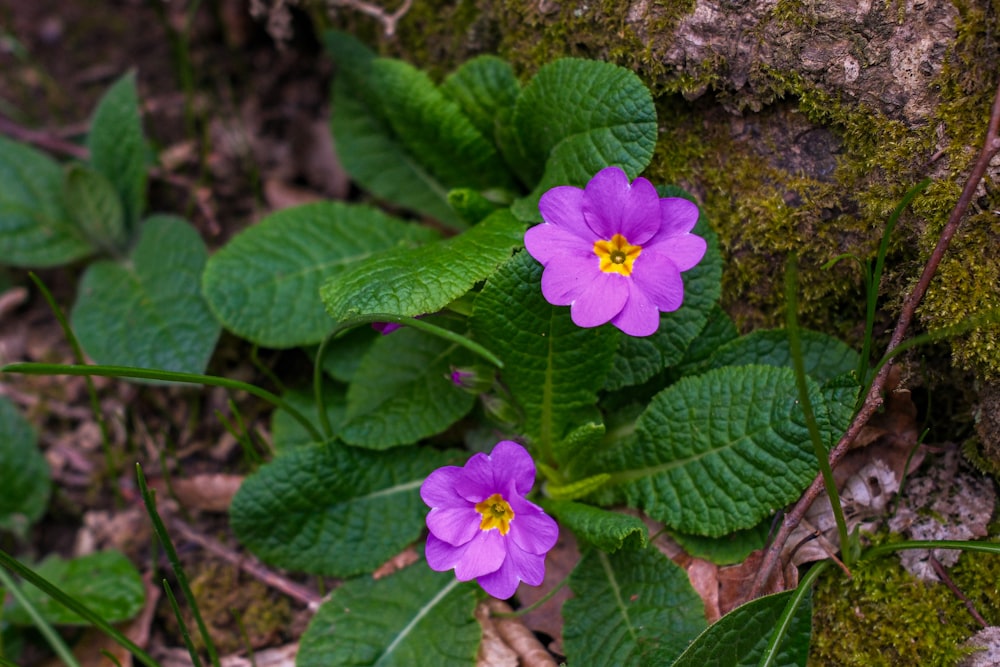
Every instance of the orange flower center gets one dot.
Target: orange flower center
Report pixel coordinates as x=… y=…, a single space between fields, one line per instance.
x=496 y=514
x=617 y=255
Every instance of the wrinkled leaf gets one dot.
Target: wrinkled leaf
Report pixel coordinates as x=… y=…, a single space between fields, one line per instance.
x=334 y=510
x=608 y=531
x=264 y=284
x=414 y=617
x=287 y=432
x=824 y=356
x=147 y=311
x=24 y=472
x=96 y=208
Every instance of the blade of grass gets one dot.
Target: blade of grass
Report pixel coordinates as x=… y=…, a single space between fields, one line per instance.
x=110 y=463
x=785 y=620
x=10 y=563
x=962 y=545
x=161 y=534
x=185 y=634
x=51 y=636
x=165 y=376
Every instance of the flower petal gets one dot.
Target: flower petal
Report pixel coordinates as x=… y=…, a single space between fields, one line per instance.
x=440 y=555
x=438 y=490
x=512 y=465
x=658 y=278
x=502 y=583
x=604 y=199
x=639 y=317
x=562 y=207
x=532 y=529
x=677 y=216
x=483 y=554
x=641 y=215
x=454 y=525
x=547 y=242
x=476 y=482
x=602 y=300
x=565 y=279
x=684 y=250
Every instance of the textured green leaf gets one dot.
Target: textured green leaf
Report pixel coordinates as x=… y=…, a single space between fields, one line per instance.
x=402 y=392
x=106 y=581
x=483 y=87
x=117 y=145
x=366 y=144
x=719 y=452
x=608 y=531
x=576 y=117
x=630 y=609
x=35 y=227
x=264 y=284
x=841 y=395
x=417 y=281
x=287 y=432
x=639 y=359
x=552 y=367
x=739 y=638
x=24 y=473
x=415 y=617
x=96 y=208
x=435 y=130
x=342 y=356
x=334 y=510
x=824 y=356
x=147 y=311
x=718 y=331
x=728 y=549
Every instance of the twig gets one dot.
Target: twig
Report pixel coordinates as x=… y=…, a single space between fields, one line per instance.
x=247 y=563
x=873 y=400
x=943 y=576
x=388 y=21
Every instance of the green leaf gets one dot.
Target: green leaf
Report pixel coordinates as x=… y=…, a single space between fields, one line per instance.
x=96 y=208
x=106 y=581
x=824 y=356
x=117 y=145
x=841 y=395
x=576 y=117
x=552 y=367
x=24 y=472
x=402 y=392
x=739 y=638
x=606 y=530
x=719 y=452
x=435 y=130
x=287 y=432
x=35 y=227
x=342 y=356
x=334 y=510
x=726 y=550
x=264 y=284
x=483 y=87
x=630 y=609
x=418 y=281
x=639 y=359
x=718 y=331
x=147 y=311
x=367 y=146
x=415 y=617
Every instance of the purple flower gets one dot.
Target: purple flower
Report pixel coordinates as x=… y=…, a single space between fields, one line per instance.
x=385 y=328
x=614 y=251
x=482 y=526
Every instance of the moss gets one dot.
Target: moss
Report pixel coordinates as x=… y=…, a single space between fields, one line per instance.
x=883 y=616
x=232 y=607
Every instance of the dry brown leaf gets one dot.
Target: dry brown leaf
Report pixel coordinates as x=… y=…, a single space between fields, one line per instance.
x=987 y=643
x=518 y=637
x=206 y=493
x=397 y=563
x=279 y=656
x=493 y=651
x=559 y=562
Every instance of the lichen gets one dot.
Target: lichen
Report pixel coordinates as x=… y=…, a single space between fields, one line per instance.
x=883 y=616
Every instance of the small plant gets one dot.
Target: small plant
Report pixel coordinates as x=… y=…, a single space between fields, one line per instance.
x=562 y=315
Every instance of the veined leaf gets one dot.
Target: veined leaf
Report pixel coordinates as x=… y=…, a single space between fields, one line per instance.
x=24 y=472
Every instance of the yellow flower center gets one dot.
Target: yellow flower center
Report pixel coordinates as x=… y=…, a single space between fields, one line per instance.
x=617 y=255
x=496 y=514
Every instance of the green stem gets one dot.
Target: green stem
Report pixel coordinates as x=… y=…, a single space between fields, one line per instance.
x=51 y=636
x=785 y=620
x=795 y=344
x=963 y=545
x=185 y=634
x=175 y=563
x=95 y=403
x=26 y=573
x=324 y=420
x=165 y=376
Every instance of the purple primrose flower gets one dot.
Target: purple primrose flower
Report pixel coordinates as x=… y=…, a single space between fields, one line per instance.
x=614 y=251
x=482 y=526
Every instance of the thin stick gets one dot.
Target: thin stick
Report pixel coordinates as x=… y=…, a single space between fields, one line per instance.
x=943 y=576
x=873 y=401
